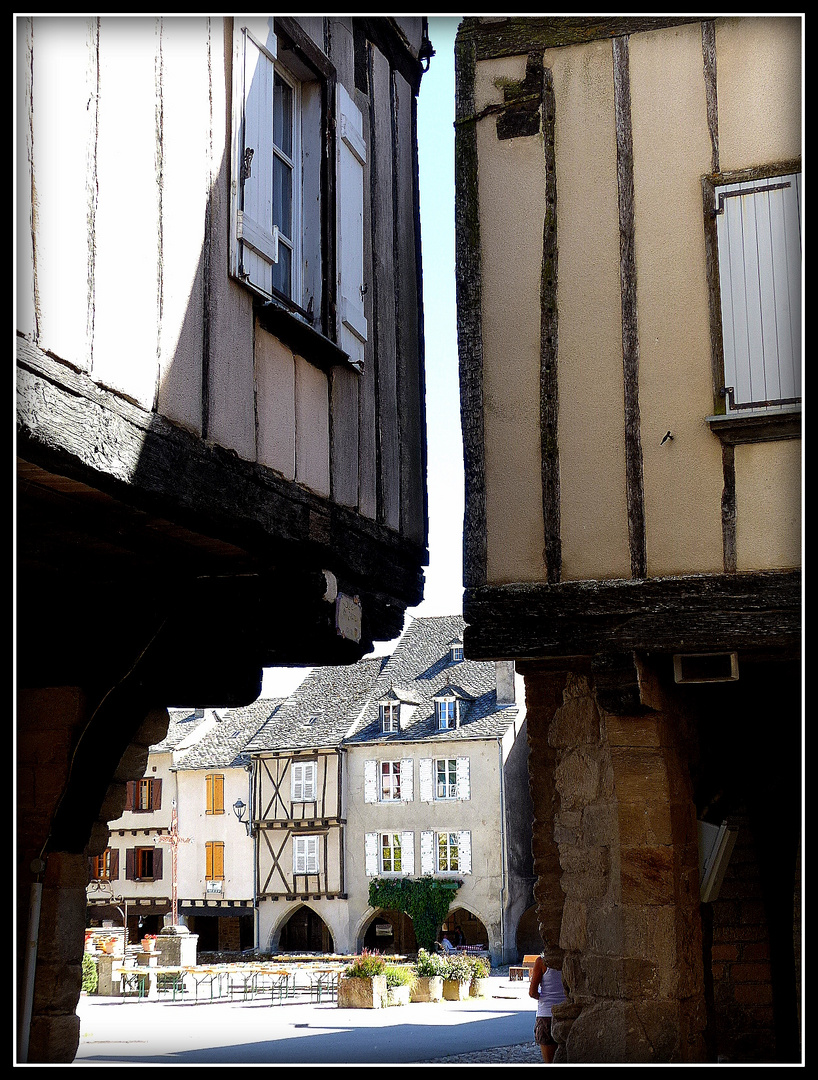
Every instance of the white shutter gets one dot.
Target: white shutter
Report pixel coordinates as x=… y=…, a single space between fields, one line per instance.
x=305 y=855
x=463 y=778
x=464 y=852
x=352 y=326
x=427 y=780
x=255 y=238
x=370 y=781
x=371 y=854
x=298 y=782
x=407 y=852
x=759 y=240
x=407 y=778
x=427 y=853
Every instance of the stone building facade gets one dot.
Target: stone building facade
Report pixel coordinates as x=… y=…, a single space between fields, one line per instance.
x=632 y=527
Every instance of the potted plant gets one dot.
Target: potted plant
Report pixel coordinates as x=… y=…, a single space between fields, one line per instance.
x=480 y=972
x=457 y=978
x=399 y=981
x=363 y=984
x=149 y=943
x=428 y=985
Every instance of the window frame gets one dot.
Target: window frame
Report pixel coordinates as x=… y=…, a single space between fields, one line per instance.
x=140 y=855
x=309 y=785
x=311 y=855
x=389 y=713
x=448 y=848
x=391 y=770
x=104 y=867
x=452 y=788
x=392 y=847
x=447 y=704
x=145 y=792
x=764 y=418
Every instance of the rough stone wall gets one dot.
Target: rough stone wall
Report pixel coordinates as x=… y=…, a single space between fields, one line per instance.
x=624 y=827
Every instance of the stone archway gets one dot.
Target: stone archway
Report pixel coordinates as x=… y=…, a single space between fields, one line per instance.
x=389 y=931
x=302 y=931
x=461 y=921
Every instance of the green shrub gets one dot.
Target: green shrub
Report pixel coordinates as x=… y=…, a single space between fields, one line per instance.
x=366 y=966
x=481 y=968
x=429 y=964
x=90 y=978
x=398 y=975
x=457 y=968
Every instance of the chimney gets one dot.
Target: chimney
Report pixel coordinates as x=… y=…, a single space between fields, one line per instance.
x=504 y=670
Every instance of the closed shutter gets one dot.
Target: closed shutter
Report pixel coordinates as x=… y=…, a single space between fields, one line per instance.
x=463 y=778
x=255 y=238
x=214 y=793
x=427 y=780
x=407 y=777
x=407 y=847
x=464 y=852
x=371 y=854
x=352 y=325
x=427 y=853
x=370 y=781
x=759 y=241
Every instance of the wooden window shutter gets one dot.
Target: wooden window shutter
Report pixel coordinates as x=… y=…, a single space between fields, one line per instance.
x=371 y=854
x=130 y=860
x=464 y=852
x=214 y=793
x=427 y=853
x=156 y=795
x=407 y=780
x=407 y=845
x=351 y=150
x=130 y=795
x=463 y=780
x=370 y=781
x=427 y=782
x=114 y=864
x=254 y=237
x=157 y=862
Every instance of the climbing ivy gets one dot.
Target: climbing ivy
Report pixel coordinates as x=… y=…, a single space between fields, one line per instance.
x=425 y=900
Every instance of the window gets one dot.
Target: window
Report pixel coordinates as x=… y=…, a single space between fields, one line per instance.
x=445 y=712
x=448 y=852
x=147 y=864
x=214 y=860
x=214 y=793
x=144 y=795
x=456 y=652
x=390 y=853
x=105 y=867
x=390 y=781
x=285 y=235
x=303 y=781
x=390 y=716
x=446 y=782
x=305 y=855
x=758 y=240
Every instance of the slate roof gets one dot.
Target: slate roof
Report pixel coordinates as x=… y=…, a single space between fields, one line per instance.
x=323 y=708
x=225 y=745
x=183 y=724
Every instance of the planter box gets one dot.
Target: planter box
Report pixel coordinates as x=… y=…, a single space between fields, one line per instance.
x=455 y=990
x=362 y=993
x=479 y=988
x=398 y=995
x=427 y=988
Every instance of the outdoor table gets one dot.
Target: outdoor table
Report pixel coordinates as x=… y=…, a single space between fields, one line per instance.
x=323 y=981
x=206 y=976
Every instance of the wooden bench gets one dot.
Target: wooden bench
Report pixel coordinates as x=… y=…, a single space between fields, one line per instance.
x=522 y=971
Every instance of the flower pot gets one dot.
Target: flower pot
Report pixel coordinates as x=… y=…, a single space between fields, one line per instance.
x=427 y=988
x=456 y=989
x=148 y=945
x=479 y=988
x=398 y=995
x=362 y=993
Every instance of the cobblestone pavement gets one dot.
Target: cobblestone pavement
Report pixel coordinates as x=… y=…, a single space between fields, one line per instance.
x=522 y=1054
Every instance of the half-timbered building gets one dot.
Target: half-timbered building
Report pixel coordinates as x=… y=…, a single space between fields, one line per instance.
x=220 y=400
x=629 y=213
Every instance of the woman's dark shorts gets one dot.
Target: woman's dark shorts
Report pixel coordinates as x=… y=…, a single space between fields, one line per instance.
x=542 y=1031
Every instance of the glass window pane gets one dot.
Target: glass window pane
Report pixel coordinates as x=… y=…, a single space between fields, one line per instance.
x=283 y=197
x=283 y=116
x=282 y=270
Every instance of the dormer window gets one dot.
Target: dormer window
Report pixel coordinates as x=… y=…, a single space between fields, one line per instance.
x=456 y=652
x=446 y=712
x=390 y=716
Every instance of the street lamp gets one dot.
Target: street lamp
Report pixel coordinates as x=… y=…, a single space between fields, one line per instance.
x=238 y=810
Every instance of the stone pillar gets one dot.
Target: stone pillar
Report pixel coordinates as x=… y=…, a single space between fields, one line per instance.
x=625 y=830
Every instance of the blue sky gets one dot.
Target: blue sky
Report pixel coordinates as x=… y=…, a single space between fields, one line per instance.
x=444 y=575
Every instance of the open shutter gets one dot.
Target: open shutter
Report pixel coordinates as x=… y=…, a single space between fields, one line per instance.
x=427 y=780
x=130 y=794
x=130 y=864
x=371 y=854
x=464 y=852
x=156 y=795
x=255 y=238
x=407 y=851
x=427 y=853
x=407 y=778
x=114 y=864
x=463 y=778
x=370 y=781
x=352 y=325
x=157 y=862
